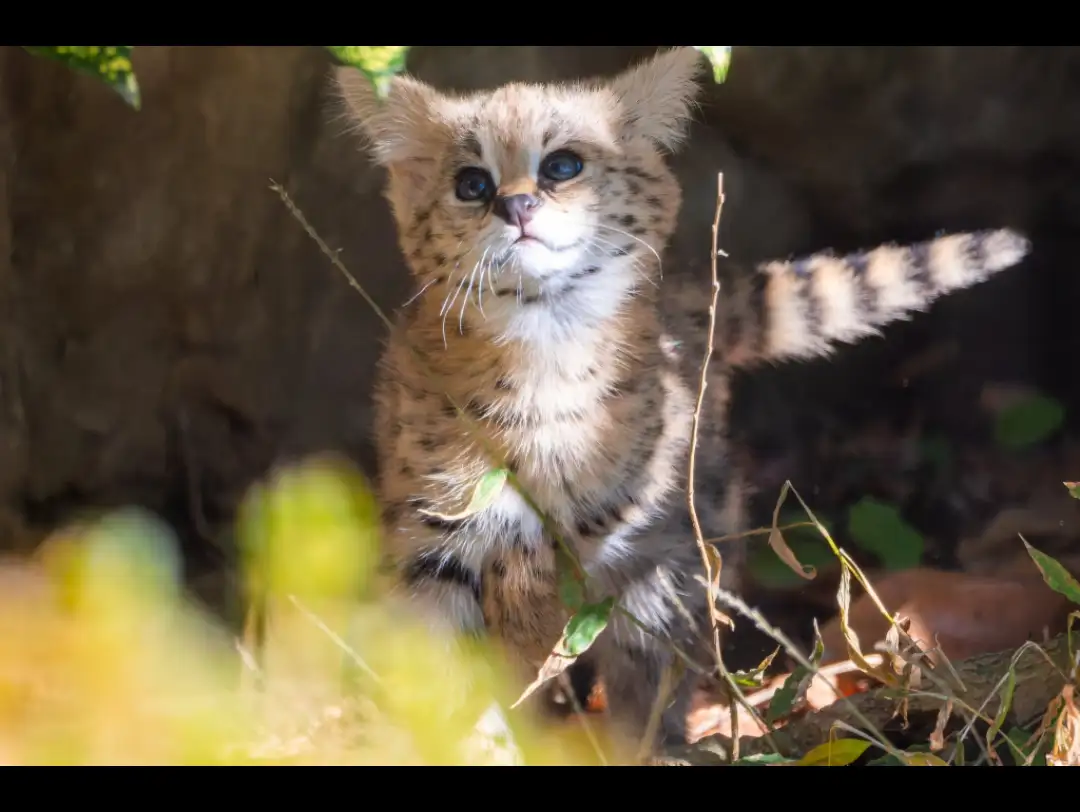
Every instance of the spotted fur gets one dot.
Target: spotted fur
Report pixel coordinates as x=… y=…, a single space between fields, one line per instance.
x=576 y=365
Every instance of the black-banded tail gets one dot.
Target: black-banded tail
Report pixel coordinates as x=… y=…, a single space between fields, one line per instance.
x=802 y=308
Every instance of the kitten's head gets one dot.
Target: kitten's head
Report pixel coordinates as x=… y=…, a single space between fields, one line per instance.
x=534 y=184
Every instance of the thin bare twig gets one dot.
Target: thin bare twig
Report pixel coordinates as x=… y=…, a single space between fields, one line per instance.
x=703 y=383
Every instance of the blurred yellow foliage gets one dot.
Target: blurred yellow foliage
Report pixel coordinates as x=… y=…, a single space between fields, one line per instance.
x=104 y=661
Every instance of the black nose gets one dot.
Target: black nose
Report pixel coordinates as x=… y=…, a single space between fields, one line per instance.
x=517 y=210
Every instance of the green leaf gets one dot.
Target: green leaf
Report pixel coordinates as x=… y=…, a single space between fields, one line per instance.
x=1055 y=575
x=585 y=626
x=379 y=63
x=755 y=677
x=719 y=57
x=838 y=753
x=109 y=63
x=1021 y=740
x=1028 y=421
x=487 y=489
x=1074 y=489
x=878 y=528
x=794 y=687
x=1003 y=709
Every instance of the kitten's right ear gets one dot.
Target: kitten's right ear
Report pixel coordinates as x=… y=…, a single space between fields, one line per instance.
x=396 y=126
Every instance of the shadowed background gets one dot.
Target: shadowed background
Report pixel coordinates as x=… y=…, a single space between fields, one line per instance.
x=168 y=332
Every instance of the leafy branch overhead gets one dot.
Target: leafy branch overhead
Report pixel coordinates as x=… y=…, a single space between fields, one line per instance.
x=379 y=63
x=109 y=63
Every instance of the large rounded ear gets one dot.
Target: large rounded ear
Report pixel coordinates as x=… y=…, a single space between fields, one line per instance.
x=655 y=97
x=397 y=128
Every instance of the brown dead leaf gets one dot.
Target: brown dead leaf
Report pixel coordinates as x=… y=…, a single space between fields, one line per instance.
x=937 y=737
x=554 y=665
x=962 y=611
x=709 y=716
x=1066 y=749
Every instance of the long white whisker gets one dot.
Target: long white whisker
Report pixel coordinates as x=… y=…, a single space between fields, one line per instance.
x=451 y=304
x=638 y=239
x=419 y=293
x=636 y=263
x=480 y=285
x=446 y=298
x=465 y=301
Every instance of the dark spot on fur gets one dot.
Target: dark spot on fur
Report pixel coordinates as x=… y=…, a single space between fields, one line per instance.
x=867 y=295
x=427 y=442
x=974 y=248
x=633 y=186
x=600 y=521
x=653 y=201
x=584 y=272
x=810 y=304
x=439 y=258
x=476 y=409
x=471 y=144
x=503 y=383
x=498 y=566
x=628 y=220
x=919 y=272
x=448 y=569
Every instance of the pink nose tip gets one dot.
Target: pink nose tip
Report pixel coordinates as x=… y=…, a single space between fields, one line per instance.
x=517 y=210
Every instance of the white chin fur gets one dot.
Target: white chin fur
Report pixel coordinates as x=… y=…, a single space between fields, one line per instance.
x=538 y=261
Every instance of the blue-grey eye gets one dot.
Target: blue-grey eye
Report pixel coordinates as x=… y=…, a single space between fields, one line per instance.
x=561 y=165
x=473 y=183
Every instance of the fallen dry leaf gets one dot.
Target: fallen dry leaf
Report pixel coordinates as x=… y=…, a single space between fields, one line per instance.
x=962 y=610
x=1066 y=750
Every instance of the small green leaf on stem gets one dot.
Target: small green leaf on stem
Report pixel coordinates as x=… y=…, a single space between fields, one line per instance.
x=584 y=627
x=579 y=634
x=109 y=63
x=487 y=489
x=1003 y=710
x=1074 y=489
x=755 y=677
x=379 y=63
x=1055 y=575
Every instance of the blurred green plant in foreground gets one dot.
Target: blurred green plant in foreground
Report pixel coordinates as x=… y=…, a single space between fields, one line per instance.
x=104 y=661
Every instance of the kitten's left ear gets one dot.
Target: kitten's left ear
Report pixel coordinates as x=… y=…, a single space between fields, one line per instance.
x=655 y=96
x=397 y=128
